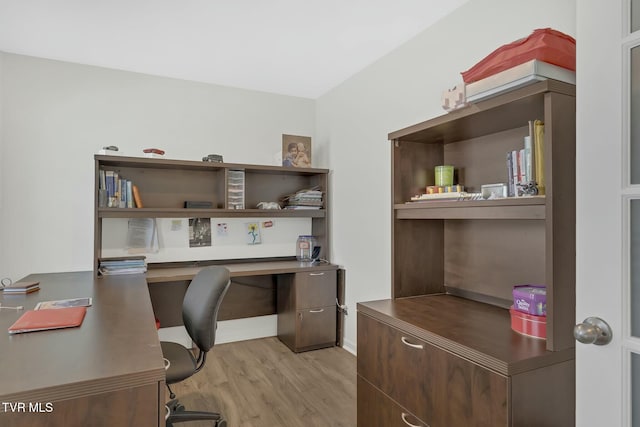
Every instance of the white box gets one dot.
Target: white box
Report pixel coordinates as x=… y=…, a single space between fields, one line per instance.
x=518 y=76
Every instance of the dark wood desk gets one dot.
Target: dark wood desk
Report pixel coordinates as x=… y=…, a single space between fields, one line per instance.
x=107 y=372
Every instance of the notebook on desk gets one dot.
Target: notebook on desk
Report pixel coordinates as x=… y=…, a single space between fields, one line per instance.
x=42 y=320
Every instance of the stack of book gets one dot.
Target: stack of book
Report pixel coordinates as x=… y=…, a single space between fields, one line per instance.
x=123 y=265
x=21 y=288
x=305 y=199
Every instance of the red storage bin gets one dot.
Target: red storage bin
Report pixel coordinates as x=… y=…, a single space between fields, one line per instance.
x=545 y=44
x=528 y=324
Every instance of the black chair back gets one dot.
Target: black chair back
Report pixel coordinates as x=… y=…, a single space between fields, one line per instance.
x=201 y=304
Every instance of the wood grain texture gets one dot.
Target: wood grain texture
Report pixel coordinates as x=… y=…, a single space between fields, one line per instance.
x=261 y=383
x=490 y=257
x=440 y=388
x=130 y=407
x=110 y=367
x=478 y=332
x=375 y=409
x=307 y=310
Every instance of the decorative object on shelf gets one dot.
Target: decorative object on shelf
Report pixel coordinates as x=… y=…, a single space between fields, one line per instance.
x=195 y=204
x=526 y=189
x=296 y=151
x=110 y=150
x=214 y=158
x=269 y=205
x=199 y=232
x=444 y=175
x=253 y=233
x=153 y=153
x=454 y=98
x=493 y=191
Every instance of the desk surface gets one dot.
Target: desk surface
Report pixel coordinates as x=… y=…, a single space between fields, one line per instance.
x=116 y=346
x=239 y=269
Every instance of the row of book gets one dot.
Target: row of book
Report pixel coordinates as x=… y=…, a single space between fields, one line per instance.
x=305 y=199
x=526 y=165
x=122 y=265
x=117 y=192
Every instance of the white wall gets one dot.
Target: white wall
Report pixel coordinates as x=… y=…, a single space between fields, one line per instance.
x=399 y=90
x=56 y=115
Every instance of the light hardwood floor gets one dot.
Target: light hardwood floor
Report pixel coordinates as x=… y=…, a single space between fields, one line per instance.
x=261 y=383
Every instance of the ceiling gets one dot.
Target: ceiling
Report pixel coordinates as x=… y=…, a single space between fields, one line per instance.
x=292 y=47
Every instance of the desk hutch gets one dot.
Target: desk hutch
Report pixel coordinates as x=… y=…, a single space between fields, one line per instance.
x=306 y=304
x=441 y=352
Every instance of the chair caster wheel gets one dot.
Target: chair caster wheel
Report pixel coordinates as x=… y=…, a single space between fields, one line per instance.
x=221 y=423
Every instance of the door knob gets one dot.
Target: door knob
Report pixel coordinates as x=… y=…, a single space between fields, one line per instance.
x=593 y=330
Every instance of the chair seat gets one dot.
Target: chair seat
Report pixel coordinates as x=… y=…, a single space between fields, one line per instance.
x=183 y=364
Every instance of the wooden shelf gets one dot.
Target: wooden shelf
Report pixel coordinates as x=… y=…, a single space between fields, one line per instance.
x=156 y=163
x=211 y=213
x=165 y=185
x=509 y=208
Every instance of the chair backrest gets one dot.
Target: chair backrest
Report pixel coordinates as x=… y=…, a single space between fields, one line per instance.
x=201 y=303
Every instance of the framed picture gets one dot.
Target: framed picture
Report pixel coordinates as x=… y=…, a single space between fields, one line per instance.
x=296 y=151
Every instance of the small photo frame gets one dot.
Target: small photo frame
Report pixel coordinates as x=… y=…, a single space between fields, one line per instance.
x=296 y=151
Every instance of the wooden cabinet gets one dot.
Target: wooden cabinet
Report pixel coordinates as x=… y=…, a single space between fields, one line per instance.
x=307 y=309
x=166 y=184
x=454 y=264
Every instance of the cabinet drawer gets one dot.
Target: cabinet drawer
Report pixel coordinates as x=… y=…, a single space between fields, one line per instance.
x=377 y=410
x=316 y=327
x=440 y=388
x=315 y=289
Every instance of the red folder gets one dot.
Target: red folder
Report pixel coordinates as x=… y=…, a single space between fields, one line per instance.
x=53 y=318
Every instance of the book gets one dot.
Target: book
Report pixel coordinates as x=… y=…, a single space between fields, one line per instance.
x=42 y=320
x=136 y=196
x=22 y=287
x=64 y=303
x=538 y=148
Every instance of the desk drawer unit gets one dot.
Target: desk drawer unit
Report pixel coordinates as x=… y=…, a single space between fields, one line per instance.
x=432 y=387
x=307 y=310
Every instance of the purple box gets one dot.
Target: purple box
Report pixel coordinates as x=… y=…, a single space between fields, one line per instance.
x=530 y=299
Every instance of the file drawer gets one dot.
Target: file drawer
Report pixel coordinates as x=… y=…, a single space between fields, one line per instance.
x=315 y=289
x=440 y=388
x=375 y=409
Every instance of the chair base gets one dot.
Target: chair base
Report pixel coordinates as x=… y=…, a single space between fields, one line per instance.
x=178 y=414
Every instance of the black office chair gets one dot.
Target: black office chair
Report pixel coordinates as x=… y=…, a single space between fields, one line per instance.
x=199 y=314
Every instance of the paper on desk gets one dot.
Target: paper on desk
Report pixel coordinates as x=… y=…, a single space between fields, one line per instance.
x=142 y=235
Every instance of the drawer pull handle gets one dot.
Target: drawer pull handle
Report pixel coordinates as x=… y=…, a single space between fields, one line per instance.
x=404 y=418
x=317 y=310
x=406 y=342
x=316 y=274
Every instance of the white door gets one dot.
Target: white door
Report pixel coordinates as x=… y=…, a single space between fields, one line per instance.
x=608 y=210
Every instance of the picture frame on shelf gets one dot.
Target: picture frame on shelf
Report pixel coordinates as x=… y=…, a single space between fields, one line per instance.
x=296 y=151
